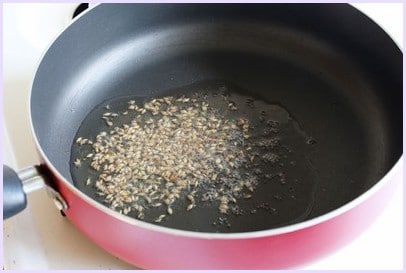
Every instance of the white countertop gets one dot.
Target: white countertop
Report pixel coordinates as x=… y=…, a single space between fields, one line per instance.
x=40 y=238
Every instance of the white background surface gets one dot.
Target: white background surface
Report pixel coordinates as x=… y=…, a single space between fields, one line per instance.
x=39 y=238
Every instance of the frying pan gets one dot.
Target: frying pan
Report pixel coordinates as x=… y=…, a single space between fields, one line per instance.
x=335 y=72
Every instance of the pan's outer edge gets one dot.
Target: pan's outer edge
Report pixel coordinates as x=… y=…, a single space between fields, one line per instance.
x=395 y=171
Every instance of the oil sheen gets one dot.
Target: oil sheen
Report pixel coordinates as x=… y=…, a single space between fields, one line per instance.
x=287 y=180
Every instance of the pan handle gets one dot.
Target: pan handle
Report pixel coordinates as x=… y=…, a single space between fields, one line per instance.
x=16 y=186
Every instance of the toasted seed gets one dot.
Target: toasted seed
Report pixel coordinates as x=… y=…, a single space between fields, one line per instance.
x=223 y=208
x=84 y=141
x=191 y=198
x=160 y=218
x=191 y=206
x=232 y=106
x=247 y=196
x=77 y=162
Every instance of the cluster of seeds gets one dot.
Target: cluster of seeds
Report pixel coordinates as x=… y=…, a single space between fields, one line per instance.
x=176 y=148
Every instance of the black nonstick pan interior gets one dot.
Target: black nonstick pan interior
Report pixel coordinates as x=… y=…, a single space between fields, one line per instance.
x=335 y=73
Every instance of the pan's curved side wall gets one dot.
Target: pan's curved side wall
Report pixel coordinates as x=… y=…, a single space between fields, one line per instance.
x=150 y=249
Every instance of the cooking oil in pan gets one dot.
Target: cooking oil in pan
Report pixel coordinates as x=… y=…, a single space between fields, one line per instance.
x=256 y=177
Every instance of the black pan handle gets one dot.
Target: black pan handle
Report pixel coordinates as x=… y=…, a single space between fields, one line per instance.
x=16 y=186
x=14 y=197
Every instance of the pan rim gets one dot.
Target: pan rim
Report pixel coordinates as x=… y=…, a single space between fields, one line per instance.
x=387 y=178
